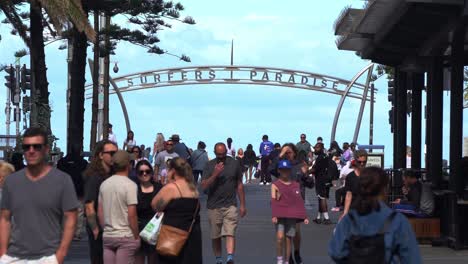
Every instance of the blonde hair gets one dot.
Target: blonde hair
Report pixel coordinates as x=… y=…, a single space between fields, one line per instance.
x=183 y=169
x=5 y=170
x=159 y=143
x=239 y=151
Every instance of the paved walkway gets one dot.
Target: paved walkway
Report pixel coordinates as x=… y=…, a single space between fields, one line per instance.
x=256 y=236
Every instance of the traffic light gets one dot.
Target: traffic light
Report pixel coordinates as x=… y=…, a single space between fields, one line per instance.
x=25 y=83
x=11 y=83
x=26 y=104
x=391 y=91
x=390 y=118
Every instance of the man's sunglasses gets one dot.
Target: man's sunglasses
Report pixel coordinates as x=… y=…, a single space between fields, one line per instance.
x=361 y=161
x=170 y=144
x=109 y=152
x=36 y=147
x=143 y=172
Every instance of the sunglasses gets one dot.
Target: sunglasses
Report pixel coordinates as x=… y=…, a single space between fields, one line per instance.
x=36 y=147
x=136 y=151
x=109 y=152
x=170 y=144
x=143 y=172
x=361 y=161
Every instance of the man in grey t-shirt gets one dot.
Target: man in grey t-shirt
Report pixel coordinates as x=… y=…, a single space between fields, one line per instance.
x=161 y=160
x=222 y=179
x=41 y=199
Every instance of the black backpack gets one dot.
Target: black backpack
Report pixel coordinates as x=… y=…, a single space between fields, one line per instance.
x=368 y=249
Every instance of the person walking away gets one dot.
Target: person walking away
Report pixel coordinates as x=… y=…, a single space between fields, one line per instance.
x=117 y=213
x=240 y=158
x=129 y=142
x=180 y=148
x=222 y=180
x=250 y=160
x=231 y=150
x=265 y=148
x=304 y=148
x=5 y=170
x=299 y=173
x=352 y=180
x=179 y=202
x=274 y=159
x=287 y=208
x=98 y=170
x=158 y=145
x=43 y=203
x=74 y=165
x=371 y=232
x=111 y=134
x=323 y=183
x=161 y=160
x=147 y=190
x=199 y=160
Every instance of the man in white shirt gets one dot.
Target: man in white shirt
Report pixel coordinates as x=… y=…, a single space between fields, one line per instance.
x=111 y=134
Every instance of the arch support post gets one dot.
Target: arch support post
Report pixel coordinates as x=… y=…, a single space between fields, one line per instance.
x=343 y=98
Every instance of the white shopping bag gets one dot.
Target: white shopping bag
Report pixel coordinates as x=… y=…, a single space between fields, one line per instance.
x=151 y=231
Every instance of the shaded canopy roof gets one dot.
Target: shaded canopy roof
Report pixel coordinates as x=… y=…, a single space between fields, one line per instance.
x=389 y=31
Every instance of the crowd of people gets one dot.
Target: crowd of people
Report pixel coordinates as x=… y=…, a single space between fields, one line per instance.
x=118 y=193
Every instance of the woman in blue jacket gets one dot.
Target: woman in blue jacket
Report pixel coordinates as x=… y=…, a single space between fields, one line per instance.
x=370 y=216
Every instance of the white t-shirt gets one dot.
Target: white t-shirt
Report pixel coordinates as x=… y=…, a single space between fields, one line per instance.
x=130 y=143
x=112 y=138
x=231 y=152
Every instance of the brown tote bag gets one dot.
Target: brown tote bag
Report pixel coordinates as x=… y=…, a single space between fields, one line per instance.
x=171 y=239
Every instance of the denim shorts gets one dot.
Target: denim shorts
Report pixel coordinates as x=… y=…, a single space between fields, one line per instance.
x=287 y=226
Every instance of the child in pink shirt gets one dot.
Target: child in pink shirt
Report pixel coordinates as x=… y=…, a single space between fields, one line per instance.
x=288 y=209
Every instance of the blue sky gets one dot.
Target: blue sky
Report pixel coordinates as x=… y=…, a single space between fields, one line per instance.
x=297 y=35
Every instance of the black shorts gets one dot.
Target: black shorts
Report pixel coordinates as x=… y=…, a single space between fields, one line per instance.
x=322 y=187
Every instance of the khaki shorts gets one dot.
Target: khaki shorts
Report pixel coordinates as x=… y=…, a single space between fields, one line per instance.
x=223 y=221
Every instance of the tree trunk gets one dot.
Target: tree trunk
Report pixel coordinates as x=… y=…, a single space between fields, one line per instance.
x=77 y=91
x=39 y=69
x=94 y=107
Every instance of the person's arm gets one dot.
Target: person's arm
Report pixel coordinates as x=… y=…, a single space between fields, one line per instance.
x=133 y=220
x=156 y=173
x=347 y=203
x=209 y=180
x=338 y=248
x=406 y=243
x=92 y=219
x=413 y=196
x=100 y=215
x=69 y=226
x=241 y=195
x=5 y=227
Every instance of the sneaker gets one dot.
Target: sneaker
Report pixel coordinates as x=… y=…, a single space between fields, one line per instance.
x=291 y=260
x=231 y=261
x=297 y=258
x=335 y=209
x=261 y=183
x=318 y=221
x=327 y=222
x=268 y=183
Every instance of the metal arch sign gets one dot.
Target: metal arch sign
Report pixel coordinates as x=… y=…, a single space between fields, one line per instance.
x=246 y=75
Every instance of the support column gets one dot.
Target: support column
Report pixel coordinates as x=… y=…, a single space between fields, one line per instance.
x=456 y=110
x=416 y=97
x=435 y=90
x=400 y=125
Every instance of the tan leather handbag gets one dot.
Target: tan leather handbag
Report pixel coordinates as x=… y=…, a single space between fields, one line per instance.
x=171 y=239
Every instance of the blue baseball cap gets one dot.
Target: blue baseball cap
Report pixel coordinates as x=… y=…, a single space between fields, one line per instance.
x=284 y=164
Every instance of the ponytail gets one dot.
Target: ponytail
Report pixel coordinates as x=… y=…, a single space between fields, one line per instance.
x=372 y=183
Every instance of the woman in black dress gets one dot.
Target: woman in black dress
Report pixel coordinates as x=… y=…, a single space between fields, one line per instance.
x=147 y=190
x=179 y=201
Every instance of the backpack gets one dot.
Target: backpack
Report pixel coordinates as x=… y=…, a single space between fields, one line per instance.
x=368 y=249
